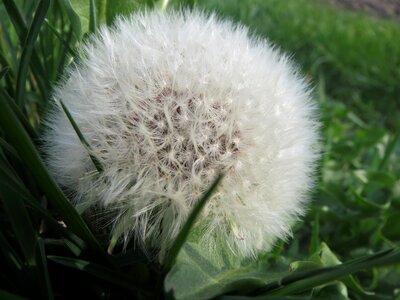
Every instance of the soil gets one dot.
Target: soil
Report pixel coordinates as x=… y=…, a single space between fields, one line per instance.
x=380 y=8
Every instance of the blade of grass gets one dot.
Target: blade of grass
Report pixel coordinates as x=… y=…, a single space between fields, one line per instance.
x=94 y=159
x=74 y=18
x=303 y=281
x=3 y=72
x=32 y=35
x=19 y=139
x=20 y=222
x=9 y=296
x=118 y=278
x=47 y=290
x=72 y=241
x=183 y=234
x=21 y=117
x=389 y=150
x=58 y=35
x=11 y=257
x=22 y=31
x=92 y=17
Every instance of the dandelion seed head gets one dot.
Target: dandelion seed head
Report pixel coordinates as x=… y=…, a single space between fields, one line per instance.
x=167 y=101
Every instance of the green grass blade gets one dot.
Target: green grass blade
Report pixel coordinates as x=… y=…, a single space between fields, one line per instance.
x=22 y=31
x=58 y=35
x=74 y=18
x=389 y=150
x=92 y=17
x=183 y=234
x=94 y=159
x=20 y=221
x=47 y=290
x=16 y=18
x=11 y=257
x=21 y=117
x=9 y=296
x=304 y=281
x=72 y=241
x=3 y=72
x=32 y=35
x=115 y=277
x=19 y=139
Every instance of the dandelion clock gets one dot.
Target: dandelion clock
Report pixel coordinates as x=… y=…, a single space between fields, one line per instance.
x=167 y=101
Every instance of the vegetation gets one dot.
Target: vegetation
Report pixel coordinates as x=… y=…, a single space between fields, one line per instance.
x=354 y=63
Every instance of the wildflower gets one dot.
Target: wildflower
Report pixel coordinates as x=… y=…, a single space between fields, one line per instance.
x=169 y=100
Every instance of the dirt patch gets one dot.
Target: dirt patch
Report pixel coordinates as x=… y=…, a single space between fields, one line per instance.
x=380 y=8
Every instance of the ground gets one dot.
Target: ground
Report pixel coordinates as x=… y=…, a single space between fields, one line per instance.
x=381 y=8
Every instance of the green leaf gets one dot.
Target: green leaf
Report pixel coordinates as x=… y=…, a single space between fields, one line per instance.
x=183 y=234
x=203 y=274
x=99 y=271
x=32 y=35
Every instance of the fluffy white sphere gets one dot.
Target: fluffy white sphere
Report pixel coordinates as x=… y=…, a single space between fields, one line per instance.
x=169 y=100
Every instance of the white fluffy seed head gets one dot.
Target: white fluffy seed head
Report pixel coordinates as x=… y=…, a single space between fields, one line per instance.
x=169 y=100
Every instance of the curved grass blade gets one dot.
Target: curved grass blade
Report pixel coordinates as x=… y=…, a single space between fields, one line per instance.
x=115 y=277
x=3 y=72
x=22 y=30
x=388 y=151
x=72 y=241
x=21 y=117
x=183 y=234
x=9 y=296
x=303 y=281
x=32 y=35
x=21 y=222
x=74 y=18
x=45 y=283
x=19 y=139
x=58 y=35
x=94 y=159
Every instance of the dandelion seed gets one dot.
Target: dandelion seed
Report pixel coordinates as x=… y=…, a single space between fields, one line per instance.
x=169 y=100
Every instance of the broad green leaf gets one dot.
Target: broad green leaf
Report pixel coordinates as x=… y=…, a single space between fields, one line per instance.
x=203 y=274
